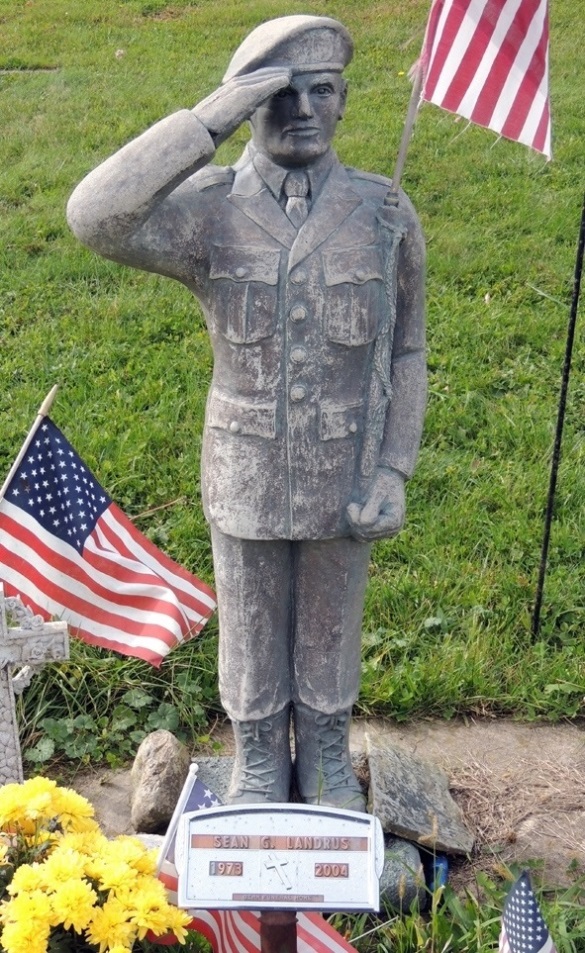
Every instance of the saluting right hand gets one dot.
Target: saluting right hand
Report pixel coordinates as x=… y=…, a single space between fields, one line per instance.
x=234 y=102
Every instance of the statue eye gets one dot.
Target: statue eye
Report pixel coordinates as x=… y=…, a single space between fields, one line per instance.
x=283 y=93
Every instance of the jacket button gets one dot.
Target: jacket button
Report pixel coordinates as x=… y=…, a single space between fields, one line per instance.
x=298 y=313
x=298 y=277
x=298 y=392
x=352 y=427
x=298 y=355
x=240 y=272
x=361 y=275
x=234 y=426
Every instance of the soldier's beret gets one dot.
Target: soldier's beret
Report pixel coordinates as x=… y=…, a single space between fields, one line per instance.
x=307 y=44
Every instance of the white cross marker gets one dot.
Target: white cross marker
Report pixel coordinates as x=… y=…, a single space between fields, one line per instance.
x=31 y=643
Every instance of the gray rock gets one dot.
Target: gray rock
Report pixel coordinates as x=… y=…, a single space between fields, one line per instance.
x=158 y=775
x=402 y=881
x=411 y=798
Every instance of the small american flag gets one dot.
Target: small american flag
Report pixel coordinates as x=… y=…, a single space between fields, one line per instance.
x=487 y=60
x=69 y=551
x=235 y=931
x=523 y=929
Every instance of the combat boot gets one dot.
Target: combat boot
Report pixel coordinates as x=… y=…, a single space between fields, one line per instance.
x=262 y=769
x=323 y=769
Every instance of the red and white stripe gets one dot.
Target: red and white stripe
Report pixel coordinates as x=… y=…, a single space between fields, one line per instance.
x=487 y=60
x=121 y=593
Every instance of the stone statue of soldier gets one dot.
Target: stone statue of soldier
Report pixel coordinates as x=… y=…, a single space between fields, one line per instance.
x=310 y=276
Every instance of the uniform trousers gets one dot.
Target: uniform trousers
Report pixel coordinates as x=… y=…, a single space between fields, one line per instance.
x=290 y=619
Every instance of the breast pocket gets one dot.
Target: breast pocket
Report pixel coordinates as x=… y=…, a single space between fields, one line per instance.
x=354 y=293
x=244 y=291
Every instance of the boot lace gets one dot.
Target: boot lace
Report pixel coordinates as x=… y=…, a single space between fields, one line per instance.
x=257 y=771
x=333 y=750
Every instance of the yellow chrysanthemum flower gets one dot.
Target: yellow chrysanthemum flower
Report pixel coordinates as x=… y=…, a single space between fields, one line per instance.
x=178 y=922
x=31 y=905
x=25 y=937
x=11 y=798
x=88 y=843
x=112 y=874
x=133 y=852
x=109 y=927
x=27 y=877
x=64 y=864
x=74 y=811
x=37 y=799
x=74 y=904
x=148 y=907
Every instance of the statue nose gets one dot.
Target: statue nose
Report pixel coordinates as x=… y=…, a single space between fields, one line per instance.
x=303 y=108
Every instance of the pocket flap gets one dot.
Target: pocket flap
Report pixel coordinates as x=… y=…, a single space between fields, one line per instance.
x=355 y=265
x=245 y=263
x=226 y=413
x=338 y=422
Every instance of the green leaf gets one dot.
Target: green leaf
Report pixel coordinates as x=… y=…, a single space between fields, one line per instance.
x=42 y=751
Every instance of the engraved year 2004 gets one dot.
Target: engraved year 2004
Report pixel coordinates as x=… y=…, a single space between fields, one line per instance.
x=226 y=868
x=331 y=870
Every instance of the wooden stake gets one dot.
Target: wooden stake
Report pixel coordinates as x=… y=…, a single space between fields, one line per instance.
x=43 y=412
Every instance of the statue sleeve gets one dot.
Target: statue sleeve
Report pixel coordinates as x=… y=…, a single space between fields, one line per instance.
x=405 y=415
x=130 y=208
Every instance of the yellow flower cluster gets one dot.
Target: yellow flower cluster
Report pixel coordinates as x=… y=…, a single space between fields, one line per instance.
x=105 y=891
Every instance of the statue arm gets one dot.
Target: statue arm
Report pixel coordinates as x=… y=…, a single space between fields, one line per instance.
x=131 y=207
x=382 y=511
x=112 y=203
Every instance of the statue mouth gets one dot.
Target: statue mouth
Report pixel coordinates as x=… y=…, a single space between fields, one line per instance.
x=302 y=131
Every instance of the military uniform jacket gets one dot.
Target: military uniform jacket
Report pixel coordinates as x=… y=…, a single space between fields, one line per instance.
x=293 y=318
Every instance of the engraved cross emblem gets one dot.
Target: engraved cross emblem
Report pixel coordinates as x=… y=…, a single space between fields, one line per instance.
x=273 y=862
x=28 y=645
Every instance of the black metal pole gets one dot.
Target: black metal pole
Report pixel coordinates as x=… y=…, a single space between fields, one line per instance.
x=560 y=422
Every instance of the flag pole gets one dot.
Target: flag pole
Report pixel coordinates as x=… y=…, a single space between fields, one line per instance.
x=560 y=422
x=408 y=125
x=43 y=411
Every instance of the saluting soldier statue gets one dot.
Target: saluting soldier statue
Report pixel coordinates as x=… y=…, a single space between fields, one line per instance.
x=311 y=278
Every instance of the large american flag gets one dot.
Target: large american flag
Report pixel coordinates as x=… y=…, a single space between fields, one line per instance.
x=523 y=929
x=235 y=931
x=487 y=60
x=69 y=551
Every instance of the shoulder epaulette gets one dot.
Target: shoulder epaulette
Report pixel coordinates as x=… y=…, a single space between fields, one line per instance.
x=369 y=177
x=213 y=175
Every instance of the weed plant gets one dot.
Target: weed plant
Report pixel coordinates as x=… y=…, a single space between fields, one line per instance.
x=448 y=610
x=467 y=921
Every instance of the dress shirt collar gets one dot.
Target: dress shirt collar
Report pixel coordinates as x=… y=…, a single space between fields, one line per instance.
x=274 y=175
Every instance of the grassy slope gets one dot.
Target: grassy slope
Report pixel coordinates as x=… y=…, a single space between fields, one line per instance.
x=448 y=609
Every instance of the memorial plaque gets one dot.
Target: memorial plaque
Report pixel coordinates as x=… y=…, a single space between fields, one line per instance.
x=290 y=856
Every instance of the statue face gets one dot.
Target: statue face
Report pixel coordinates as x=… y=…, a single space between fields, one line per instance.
x=295 y=127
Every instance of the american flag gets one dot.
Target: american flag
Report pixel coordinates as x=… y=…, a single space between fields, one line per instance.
x=523 y=929
x=235 y=931
x=487 y=60
x=69 y=551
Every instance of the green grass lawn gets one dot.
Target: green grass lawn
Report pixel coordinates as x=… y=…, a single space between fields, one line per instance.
x=447 y=625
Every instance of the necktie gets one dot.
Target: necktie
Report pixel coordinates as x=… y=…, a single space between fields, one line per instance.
x=296 y=189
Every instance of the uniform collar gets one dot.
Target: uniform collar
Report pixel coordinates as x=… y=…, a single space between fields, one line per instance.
x=273 y=175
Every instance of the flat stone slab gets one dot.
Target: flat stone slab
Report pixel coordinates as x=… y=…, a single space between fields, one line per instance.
x=411 y=799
